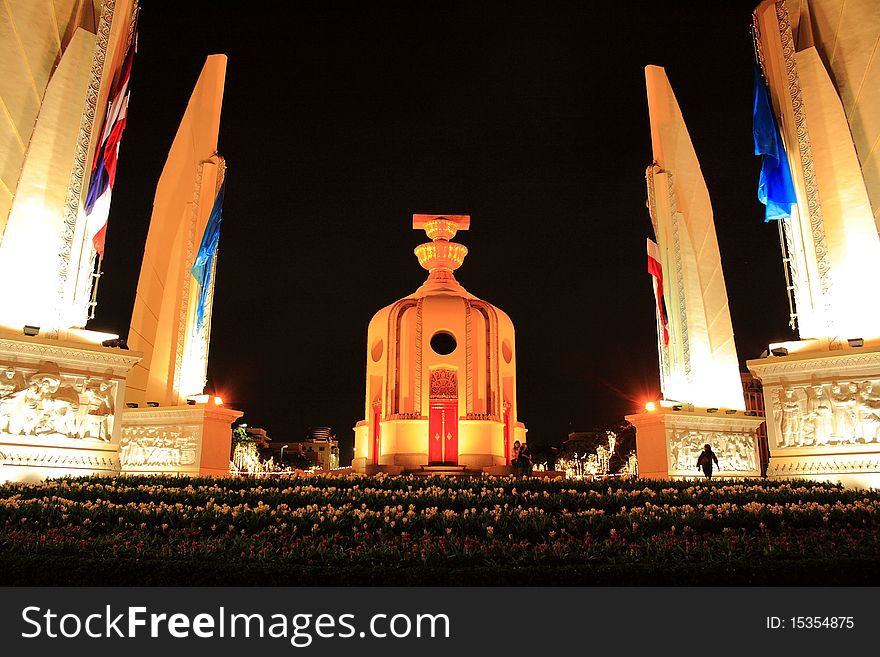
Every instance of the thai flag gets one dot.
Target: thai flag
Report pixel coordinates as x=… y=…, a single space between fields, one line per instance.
x=106 y=155
x=656 y=271
x=204 y=262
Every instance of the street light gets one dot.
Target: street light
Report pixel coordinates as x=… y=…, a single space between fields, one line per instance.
x=283 y=447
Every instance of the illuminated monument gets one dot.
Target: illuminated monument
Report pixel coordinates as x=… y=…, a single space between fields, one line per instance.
x=821 y=65
x=175 y=427
x=699 y=373
x=441 y=373
x=60 y=389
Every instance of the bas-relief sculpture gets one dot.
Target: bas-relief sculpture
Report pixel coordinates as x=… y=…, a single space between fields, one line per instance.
x=827 y=414
x=158 y=447
x=44 y=402
x=736 y=451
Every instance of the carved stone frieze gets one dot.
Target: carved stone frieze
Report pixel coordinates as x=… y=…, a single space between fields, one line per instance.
x=835 y=413
x=736 y=451
x=45 y=402
x=159 y=447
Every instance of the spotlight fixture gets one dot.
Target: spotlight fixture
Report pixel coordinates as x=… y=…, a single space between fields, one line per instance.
x=730 y=411
x=31 y=330
x=131 y=405
x=677 y=407
x=779 y=351
x=118 y=343
x=751 y=413
x=190 y=402
x=856 y=342
x=153 y=404
x=711 y=410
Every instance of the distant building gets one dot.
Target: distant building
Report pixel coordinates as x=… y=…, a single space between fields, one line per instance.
x=581 y=442
x=322 y=447
x=259 y=436
x=319 y=448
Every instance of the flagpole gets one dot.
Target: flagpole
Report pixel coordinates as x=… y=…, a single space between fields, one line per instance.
x=96 y=276
x=789 y=288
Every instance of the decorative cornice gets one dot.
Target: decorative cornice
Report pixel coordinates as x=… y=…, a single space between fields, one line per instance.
x=163 y=415
x=483 y=417
x=67 y=355
x=821 y=466
x=37 y=458
x=769 y=370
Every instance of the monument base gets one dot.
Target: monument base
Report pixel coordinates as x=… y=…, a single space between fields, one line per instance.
x=177 y=440
x=668 y=442
x=823 y=412
x=59 y=402
x=404 y=444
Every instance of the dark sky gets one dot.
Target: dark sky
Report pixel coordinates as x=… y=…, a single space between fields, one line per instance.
x=340 y=120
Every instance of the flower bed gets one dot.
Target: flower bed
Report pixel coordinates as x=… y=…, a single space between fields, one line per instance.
x=322 y=530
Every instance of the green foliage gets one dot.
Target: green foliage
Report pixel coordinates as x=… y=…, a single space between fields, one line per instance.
x=241 y=436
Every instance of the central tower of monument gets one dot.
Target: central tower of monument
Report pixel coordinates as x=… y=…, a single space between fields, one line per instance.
x=441 y=372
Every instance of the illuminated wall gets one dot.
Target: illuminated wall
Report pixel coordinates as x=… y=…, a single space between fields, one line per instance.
x=57 y=62
x=163 y=323
x=821 y=62
x=699 y=366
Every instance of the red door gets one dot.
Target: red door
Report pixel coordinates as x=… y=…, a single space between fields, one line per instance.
x=443 y=432
x=377 y=415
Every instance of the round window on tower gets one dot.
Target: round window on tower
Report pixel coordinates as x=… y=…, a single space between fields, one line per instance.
x=443 y=343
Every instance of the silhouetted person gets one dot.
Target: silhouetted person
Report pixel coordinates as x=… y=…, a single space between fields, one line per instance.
x=525 y=459
x=705 y=460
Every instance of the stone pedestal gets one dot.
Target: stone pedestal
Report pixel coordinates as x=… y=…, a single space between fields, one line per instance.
x=668 y=442
x=177 y=440
x=823 y=413
x=59 y=406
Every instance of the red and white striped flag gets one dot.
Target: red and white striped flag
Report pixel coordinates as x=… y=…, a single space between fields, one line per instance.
x=104 y=170
x=656 y=271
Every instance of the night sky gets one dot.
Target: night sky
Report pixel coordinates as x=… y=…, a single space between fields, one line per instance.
x=340 y=120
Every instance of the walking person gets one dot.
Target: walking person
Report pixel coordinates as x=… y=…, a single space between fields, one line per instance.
x=515 y=460
x=705 y=460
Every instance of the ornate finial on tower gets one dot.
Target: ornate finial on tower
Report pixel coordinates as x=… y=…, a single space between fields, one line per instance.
x=441 y=257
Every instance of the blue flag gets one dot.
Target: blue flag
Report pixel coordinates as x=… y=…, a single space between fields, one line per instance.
x=775 y=189
x=201 y=269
